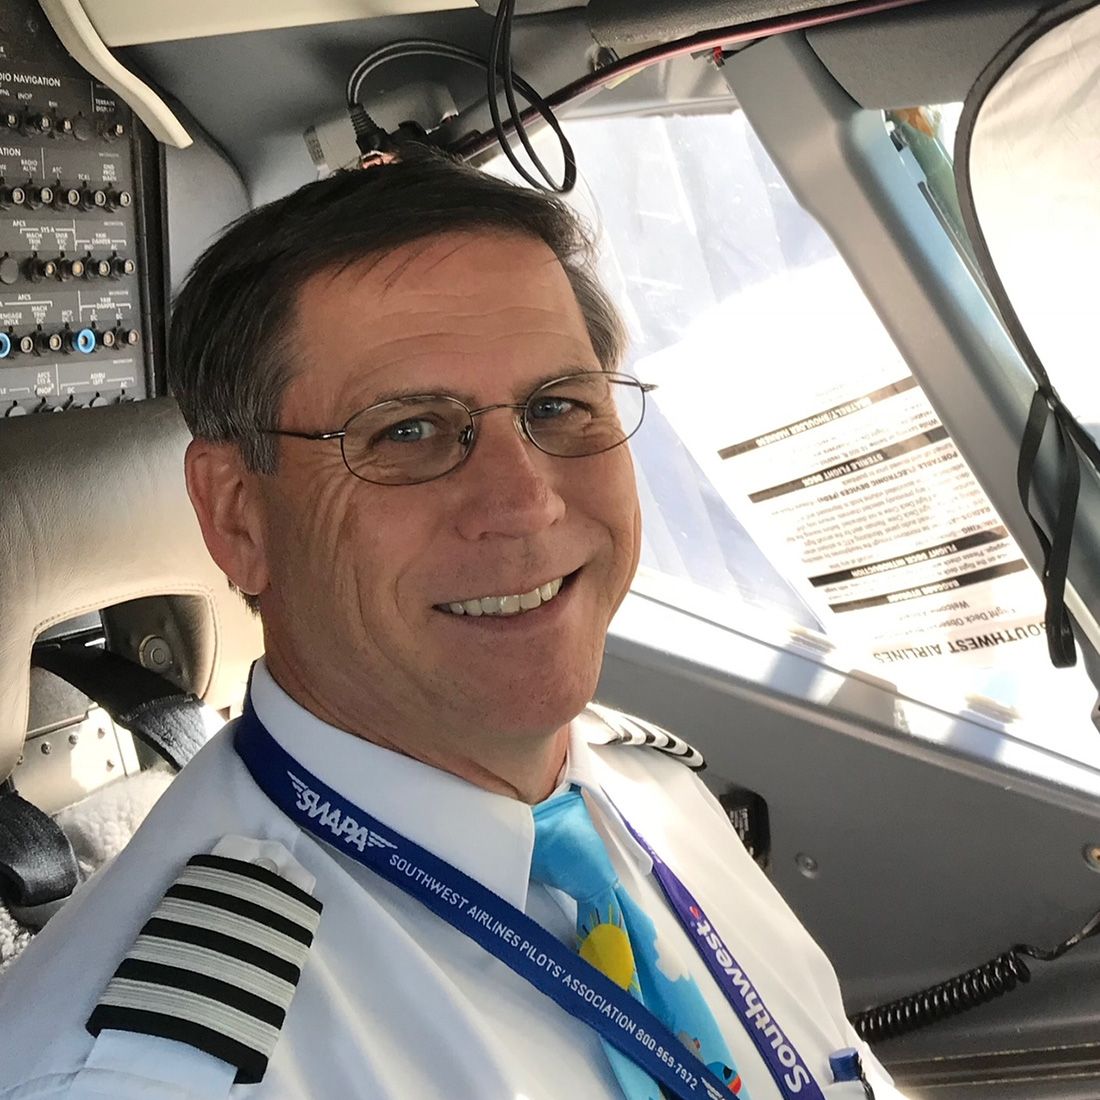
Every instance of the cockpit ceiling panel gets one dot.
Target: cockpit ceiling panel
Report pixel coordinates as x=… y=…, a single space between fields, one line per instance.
x=129 y=22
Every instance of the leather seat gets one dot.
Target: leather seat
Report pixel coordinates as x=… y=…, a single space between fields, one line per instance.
x=94 y=516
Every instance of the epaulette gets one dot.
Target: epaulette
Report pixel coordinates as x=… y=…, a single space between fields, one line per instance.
x=216 y=965
x=625 y=729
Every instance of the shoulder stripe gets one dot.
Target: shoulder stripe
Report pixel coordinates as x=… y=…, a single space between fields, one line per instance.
x=261 y=874
x=216 y=966
x=251 y=1064
x=251 y=890
x=218 y=943
x=249 y=909
x=627 y=729
x=149 y=975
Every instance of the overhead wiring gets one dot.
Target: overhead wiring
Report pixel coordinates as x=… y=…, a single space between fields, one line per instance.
x=373 y=140
x=500 y=71
x=709 y=42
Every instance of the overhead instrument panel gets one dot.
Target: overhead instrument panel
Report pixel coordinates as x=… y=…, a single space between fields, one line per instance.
x=81 y=293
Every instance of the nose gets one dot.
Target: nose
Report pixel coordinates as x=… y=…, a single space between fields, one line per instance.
x=509 y=485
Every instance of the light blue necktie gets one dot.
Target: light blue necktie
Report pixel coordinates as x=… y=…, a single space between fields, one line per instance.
x=617 y=938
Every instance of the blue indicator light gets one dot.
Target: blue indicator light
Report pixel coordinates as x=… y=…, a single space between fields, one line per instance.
x=85 y=341
x=5 y=345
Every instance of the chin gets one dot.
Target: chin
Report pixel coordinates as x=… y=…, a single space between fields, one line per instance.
x=525 y=711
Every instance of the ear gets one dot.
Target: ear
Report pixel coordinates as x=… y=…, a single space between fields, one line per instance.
x=226 y=499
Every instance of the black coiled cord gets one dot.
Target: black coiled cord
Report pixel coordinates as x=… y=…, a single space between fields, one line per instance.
x=959 y=994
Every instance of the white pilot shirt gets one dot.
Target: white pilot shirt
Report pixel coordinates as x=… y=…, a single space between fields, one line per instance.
x=394 y=1003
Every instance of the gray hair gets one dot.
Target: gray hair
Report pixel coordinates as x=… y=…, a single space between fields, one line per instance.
x=232 y=339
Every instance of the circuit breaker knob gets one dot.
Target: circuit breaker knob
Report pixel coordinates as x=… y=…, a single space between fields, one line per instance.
x=72 y=269
x=36 y=123
x=48 y=342
x=97 y=269
x=81 y=340
x=38 y=269
x=122 y=265
x=12 y=196
x=93 y=199
x=66 y=198
x=39 y=196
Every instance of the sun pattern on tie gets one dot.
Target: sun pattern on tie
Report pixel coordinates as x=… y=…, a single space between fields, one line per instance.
x=617 y=938
x=603 y=941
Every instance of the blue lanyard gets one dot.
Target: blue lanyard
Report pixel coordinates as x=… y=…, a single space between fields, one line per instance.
x=518 y=941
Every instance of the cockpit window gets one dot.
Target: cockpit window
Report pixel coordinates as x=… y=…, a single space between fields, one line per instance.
x=797 y=485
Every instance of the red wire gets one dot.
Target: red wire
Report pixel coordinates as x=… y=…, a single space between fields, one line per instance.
x=703 y=41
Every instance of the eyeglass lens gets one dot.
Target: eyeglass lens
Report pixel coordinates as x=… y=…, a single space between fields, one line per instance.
x=416 y=439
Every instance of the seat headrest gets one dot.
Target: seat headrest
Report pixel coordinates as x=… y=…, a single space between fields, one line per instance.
x=93 y=513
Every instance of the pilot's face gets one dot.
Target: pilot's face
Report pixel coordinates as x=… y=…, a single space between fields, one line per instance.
x=360 y=575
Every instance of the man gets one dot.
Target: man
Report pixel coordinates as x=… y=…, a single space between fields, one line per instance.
x=408 y=457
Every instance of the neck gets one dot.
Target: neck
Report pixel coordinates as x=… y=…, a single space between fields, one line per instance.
x=525 y=768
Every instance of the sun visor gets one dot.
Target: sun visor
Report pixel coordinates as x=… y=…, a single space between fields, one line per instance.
x=1027 y=162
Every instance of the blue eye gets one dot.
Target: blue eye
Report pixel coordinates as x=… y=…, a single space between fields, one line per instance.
x=409 y=431
x=550 y=408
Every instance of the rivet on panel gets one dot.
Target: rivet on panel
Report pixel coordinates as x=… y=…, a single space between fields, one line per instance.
x=807 y=865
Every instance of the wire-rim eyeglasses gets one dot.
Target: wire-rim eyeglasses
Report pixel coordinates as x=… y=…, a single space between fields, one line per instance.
x=413 y=439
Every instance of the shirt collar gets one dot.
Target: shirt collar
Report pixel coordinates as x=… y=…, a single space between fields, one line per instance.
x=487 y=836
x=587 y=770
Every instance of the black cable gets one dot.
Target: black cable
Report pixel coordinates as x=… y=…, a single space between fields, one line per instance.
x=505 y=61
x=372 y=138
x=963 y=992
x=500 y=70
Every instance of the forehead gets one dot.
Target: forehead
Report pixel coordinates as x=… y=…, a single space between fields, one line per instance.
x=449 y=312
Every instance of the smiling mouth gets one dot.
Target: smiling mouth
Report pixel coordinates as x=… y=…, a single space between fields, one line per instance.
x=518 y=604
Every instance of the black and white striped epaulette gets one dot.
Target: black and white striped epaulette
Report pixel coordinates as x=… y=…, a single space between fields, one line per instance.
x=625 y=729
x=217 y=963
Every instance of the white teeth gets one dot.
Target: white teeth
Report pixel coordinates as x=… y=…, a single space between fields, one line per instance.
x=507 y=605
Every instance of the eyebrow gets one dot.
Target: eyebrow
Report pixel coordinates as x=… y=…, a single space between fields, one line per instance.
x=400 y=393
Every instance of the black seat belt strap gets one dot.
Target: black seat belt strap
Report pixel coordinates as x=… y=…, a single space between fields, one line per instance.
x=37 y=864
x=152 y=708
